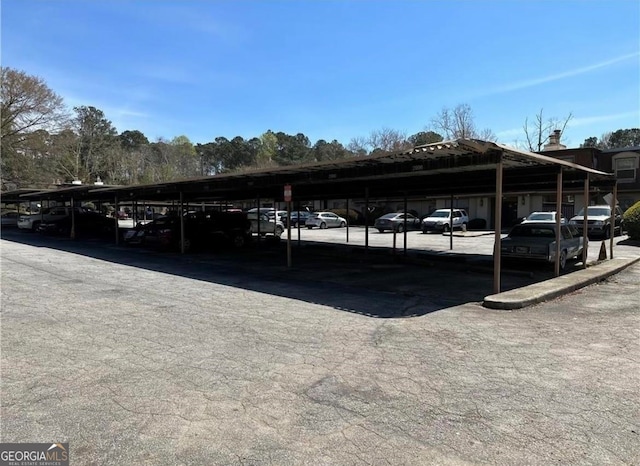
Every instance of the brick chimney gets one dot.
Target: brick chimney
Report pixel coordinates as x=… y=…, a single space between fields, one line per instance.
x=554 y=141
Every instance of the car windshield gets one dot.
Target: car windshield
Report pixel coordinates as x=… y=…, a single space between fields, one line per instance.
x=440 y=214
x=596 y=211
x=541 y=216
x=532 y=231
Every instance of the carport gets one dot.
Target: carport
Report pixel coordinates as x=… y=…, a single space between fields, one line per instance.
x=452 y=168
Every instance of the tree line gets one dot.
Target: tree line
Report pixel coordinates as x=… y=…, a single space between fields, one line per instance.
x=45 y=143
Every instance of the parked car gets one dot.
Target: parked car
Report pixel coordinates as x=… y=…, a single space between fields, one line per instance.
x=86 y=224
x=536 y=217
x=202 y=230
x=269 y=211
x=537 y=242
x=599 y=220
x=265 y=225
x=440 y=220
x=396 y=222
x=324 y=220
x=32 y=221
x=298 y=218
x=281 y=215
x=9 y=218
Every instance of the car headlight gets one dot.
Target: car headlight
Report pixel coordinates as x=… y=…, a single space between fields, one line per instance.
x=573 y=222
x=598 y=222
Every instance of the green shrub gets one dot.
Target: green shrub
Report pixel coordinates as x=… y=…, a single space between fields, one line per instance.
x=632 y=221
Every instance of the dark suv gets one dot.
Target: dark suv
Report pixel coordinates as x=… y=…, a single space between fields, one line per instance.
x=598 y=220
x=202 y=230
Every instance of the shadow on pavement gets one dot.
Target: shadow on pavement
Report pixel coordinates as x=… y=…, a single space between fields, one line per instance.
x=341 y=277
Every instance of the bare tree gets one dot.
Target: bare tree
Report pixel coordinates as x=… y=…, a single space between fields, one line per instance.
x=458 y=123
x=388 y=140
x=379 y=141
x=27 y=107
x=538 y=131
x=358 y=146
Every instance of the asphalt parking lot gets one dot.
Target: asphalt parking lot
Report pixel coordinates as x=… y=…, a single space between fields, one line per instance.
x=137 y=357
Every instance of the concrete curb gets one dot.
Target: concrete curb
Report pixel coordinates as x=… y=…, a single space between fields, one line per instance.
x=558 y=286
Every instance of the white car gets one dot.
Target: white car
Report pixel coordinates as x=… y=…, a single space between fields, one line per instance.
x=33 y=221
x=543 y=217
x=324 y=220
x=265 y=224
x=10 y=218
x=440 y=220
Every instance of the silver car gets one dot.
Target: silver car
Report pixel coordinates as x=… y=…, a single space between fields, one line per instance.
x=324 y=220
x=543 y=217
x=396 y=222
x=265 y=225
x=537 y=242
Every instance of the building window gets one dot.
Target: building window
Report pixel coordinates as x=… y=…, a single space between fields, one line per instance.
x=626 y=169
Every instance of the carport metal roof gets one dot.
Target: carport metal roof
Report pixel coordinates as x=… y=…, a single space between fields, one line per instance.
x=460 y=167
x=15 y=195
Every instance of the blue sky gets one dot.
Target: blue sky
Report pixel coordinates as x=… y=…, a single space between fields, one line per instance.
x=333 y=69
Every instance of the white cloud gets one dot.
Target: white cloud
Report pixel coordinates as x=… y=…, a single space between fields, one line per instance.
x=601 y=118
x=558 y=76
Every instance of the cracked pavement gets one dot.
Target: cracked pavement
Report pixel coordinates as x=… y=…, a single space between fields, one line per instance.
x=197 y=362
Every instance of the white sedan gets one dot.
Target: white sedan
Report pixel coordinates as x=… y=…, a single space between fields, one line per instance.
x=324 y=220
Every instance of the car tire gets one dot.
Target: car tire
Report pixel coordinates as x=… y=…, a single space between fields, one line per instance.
x=563 y=259
x=445 y=228
x=380 y=230
x=238 y=241
x=309 y=227
x=279 y=230
x=323 y=226
x=400 y=228
x=34 y=226
x=343 y=224
x=187 y=245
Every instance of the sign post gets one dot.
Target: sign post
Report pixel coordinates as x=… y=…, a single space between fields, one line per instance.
x=287 y=199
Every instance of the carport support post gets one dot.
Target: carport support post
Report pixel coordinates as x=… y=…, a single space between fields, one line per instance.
x=558 y=221
x=404 y=230
x=115 y=217
x=72 y=234
x=366 y=219
x=289 y=234
x=614 y=203
x=347 y=220
x=181 y=222
x=585 y=224
x=451 y=222
x=258 y=218
x=497 y=244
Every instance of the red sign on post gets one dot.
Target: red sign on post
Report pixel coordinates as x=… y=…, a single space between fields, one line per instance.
x=287 y=193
